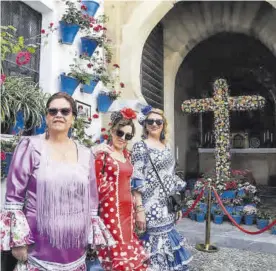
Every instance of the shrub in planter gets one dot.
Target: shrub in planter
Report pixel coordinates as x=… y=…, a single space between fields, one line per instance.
x=218 y=216
x=262 y=219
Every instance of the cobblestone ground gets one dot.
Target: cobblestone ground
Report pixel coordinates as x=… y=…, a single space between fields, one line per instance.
x=227 y=259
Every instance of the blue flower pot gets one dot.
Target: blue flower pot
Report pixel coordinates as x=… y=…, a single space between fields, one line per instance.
x=92 y=7
x=229 y=209
x=68 y=84
x=237 y=218
x=229 y=194
x=8 y=162
x=213 y=208
x=192 y=215
x=200 y=217
x=68 y=32
x=93 y=265
x=104 y=102
x=203 y=207
x=241 y=192
x=89 y=88
x=19 y=125
x=262 y=223
x=239 y=208
x=273 y=230
x=41 y=129
x=88 y=46
x=218 y=219
x=249 y=219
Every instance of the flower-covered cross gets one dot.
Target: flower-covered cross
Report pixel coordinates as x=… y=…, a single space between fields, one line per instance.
x=221 y=104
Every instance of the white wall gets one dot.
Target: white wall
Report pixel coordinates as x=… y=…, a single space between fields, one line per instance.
x=56 y=57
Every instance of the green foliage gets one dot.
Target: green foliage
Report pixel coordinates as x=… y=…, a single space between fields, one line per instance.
x=22 y=94
x=10 y=144
x=263 y=215
x=79 y=133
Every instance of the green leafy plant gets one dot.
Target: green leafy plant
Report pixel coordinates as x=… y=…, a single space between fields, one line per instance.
x=218 y=212
x=263 y=215
x=22 y=94
x=79 y=133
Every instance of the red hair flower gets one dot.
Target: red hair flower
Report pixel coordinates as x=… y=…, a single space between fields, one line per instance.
x=128 y=113
x=116 y=66
x=3 y=156
x=103 y=130
x=23 y=58
x=95 y=116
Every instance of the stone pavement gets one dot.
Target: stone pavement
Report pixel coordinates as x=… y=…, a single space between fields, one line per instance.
x=226 y=235
x=229 y=259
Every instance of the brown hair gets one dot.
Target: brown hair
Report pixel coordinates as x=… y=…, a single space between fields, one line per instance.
x=68 y=98
x=121 y=123
x=165 y=125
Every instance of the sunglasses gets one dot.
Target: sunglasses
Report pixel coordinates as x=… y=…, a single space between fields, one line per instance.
x=63 y=111
x=152 y=121
x=121 y=133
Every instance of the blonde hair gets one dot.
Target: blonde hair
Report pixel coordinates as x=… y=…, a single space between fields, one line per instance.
x=165 y=125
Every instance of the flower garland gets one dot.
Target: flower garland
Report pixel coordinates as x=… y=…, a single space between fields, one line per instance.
x=221 y=104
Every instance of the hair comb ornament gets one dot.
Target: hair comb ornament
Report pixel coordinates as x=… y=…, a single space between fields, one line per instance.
x=143 y=114
x=128 y=113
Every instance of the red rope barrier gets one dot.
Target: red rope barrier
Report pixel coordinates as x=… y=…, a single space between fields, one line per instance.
x=236 y=224
x=195 y=202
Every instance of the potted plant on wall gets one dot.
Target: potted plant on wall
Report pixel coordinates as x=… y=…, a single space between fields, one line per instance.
x=96 y=37
x=72 y=20
x=90 y=7
x=111 y=92
x=22 y=105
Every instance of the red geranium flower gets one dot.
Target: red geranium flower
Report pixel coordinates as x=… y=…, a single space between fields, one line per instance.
x=83 y=7
x=90 y=25
x=95 y=116
x=23 y=58
x=109 y=124
x=42 y=31
x=89 y=119
x=128 y=113
x=116 y=66
x=89 y=65
x=105 y=137
x=3 y=156
x=122 y=85
x=103 y=130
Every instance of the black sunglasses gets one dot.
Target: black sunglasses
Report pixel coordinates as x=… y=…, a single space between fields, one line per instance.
x=54 y=111
x=121 y=133
x=152 y=121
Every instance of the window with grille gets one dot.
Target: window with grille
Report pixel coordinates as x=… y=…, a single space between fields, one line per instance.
x=27 y=21
x=152 y=68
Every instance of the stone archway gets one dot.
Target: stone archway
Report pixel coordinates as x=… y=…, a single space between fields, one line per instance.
x=186 y=24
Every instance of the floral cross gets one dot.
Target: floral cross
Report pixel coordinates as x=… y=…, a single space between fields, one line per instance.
x=221 y=104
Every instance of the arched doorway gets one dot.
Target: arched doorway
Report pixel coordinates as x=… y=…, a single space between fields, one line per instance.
x=249 y=69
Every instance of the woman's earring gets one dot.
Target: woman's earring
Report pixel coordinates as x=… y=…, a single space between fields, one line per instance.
x=162 y=135
x=70 y=132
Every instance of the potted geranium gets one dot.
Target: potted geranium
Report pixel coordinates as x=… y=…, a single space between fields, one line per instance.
x=72 y=20
x=249 y=214
x=229 y=206
x=238 y=204
x=237 y=216
x=96 y=37
x=192 y=214
x=200 y=215
x=90 y=7
x=218 y=216
x=230 y=189
x=262 y=219
x=273 y=229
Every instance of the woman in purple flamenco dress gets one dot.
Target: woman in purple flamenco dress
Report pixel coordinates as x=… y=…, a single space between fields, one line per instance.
x=50 y=214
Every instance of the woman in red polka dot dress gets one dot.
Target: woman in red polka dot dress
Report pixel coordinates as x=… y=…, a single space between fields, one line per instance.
x=113 y=171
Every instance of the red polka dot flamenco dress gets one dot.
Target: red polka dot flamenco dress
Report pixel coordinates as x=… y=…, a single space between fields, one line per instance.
x=117 y=213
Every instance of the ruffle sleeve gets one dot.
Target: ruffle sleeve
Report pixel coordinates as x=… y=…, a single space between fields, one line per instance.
x=15 y=230
x=138 y=157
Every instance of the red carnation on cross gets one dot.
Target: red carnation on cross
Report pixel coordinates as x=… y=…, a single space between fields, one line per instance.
x=23 y=58
x=128 y=113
